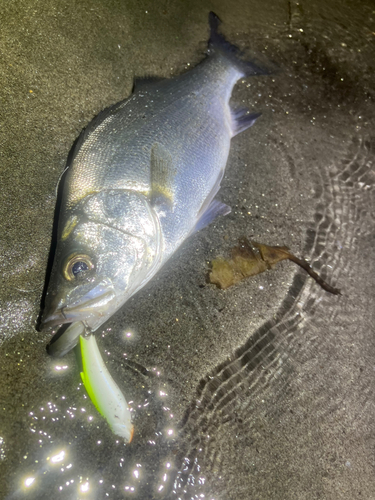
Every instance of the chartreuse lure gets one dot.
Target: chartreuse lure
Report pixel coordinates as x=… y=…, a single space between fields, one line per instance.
x=103 y=390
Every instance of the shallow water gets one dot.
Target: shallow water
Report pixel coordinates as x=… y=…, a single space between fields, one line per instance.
x=264 y=390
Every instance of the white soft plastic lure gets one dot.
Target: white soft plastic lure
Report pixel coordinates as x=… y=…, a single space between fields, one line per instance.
x=103 y=390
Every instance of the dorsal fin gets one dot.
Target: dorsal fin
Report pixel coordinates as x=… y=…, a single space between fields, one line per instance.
x=145 y=83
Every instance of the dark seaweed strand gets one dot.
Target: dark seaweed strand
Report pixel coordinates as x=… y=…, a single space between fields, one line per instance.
x=306 y=266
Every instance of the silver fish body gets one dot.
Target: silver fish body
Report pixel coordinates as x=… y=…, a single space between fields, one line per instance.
x=143 y=178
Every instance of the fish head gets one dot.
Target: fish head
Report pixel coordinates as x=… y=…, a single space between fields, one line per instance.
x=97 y=267
x=92 y=274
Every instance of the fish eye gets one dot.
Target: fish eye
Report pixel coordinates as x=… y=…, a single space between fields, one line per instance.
x=77 y=265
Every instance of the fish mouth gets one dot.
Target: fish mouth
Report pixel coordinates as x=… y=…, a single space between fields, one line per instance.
x=58 y=318
x=92 y=309
x=65 y=339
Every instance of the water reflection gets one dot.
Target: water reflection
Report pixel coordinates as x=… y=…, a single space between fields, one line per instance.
x=29 y=481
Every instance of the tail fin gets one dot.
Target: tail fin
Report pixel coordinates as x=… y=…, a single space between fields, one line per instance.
x=218 y=43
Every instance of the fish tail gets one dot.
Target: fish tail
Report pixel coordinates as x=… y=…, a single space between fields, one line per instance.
x=218 y=43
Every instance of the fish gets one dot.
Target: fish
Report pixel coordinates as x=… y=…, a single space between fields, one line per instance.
x=143 y=178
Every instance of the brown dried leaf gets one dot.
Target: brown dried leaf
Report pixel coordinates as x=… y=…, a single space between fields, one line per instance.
x=245 y=262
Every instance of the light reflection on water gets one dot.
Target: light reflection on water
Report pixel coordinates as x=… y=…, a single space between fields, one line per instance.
x=54 y=465
x=29 y=481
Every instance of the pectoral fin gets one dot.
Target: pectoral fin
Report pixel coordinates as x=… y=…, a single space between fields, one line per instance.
x=163 y=173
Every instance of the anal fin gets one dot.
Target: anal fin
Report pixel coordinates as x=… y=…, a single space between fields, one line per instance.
x=242 y=119
x=214 y=209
